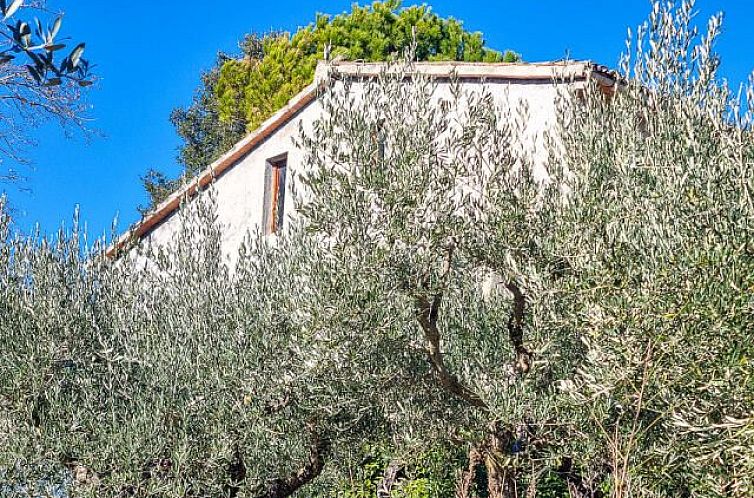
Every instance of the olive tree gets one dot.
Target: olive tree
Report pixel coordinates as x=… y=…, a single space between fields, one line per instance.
x=410 y=190
x=657 y=238
x=582 y=328
x=176 y=378
x=616 y=354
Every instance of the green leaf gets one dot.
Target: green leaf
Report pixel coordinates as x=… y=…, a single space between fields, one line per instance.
x=23 y=28
x=22 y=35
x=56 y=27
x=53 y=82
x=85 y=83
x=34 y=73
x=6 y=58
x=49 y=62
x=38 y=61
x=13 y=7
x=76 y=54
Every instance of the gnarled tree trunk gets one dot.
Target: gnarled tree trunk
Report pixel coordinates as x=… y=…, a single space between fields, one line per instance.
x=467 y=483
x=485 y=476
x=282 y=487
x=501 y=480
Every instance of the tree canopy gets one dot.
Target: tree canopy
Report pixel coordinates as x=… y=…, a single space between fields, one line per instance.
x=277 y=66
x=584 y=334
x=238 y=94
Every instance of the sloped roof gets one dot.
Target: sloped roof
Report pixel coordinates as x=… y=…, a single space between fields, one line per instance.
x=575 y=71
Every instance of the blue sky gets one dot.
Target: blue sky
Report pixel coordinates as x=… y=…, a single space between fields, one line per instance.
x=150 y=55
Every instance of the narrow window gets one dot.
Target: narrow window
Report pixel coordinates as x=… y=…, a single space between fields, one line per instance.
x=274 y=194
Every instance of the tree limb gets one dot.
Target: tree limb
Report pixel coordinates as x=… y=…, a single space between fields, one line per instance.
x=427 y=313
x=282 y=487
x=516 y=328
x=466 y=484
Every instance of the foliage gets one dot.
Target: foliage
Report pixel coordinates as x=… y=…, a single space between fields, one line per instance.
x=658 y=239
x=582 y=328
x=204 y=136
x=41 y=50
x=237 y=95
x=33 y=85
x=278 y=66
x=172 y=425
x=421 y=199
x=426 y=474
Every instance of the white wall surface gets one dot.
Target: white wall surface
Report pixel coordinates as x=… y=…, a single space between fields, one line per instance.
x=240 y=191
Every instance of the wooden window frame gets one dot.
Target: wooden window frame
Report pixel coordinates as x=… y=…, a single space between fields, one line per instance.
x=275 y=173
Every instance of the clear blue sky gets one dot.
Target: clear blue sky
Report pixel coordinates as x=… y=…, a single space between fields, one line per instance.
x=150 y=55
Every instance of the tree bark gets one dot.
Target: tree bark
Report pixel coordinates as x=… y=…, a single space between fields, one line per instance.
x=282 y=487
x=516 y=329
x=466 y=484
x=427 y=313
x=501 y=481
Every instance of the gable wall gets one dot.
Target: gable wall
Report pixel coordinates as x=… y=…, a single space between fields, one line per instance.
x=240 y=190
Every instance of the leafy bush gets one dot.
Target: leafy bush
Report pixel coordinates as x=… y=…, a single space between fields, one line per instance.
x=612 y=358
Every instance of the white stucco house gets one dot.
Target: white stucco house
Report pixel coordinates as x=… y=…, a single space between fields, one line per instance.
x=252 y=181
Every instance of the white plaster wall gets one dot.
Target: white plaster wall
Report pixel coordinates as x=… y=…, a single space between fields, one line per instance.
x=240 y=191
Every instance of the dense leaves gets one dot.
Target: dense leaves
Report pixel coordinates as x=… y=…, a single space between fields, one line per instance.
x=581 y=330
x=278 y=66
x=658 y=237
